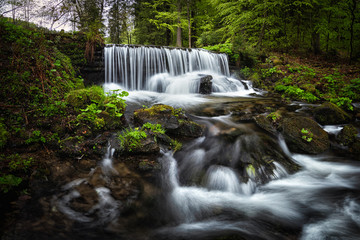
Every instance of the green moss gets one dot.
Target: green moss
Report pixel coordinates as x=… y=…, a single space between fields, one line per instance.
x=156 y=109
x=80 y=98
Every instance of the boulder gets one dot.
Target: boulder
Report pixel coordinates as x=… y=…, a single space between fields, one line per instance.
x=304 y=135
x=347 y=135
x=205 y=84
x=329 y=113
x=188 y=129
x=265 y=123
x=157 y=114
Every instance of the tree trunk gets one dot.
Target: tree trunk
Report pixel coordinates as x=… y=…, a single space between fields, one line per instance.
x=262 y=33
x=189 y=22
x=352 y=9
x=316 y=42
x=178 y=35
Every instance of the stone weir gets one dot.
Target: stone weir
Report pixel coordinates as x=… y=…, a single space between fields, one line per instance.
x=94 y=72
x=133 y=65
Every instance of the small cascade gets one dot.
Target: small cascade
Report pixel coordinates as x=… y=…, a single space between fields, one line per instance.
x=106 y=163
x=133 y=66
x=83 y=202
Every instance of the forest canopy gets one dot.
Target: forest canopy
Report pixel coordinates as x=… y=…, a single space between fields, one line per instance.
x=327 y=26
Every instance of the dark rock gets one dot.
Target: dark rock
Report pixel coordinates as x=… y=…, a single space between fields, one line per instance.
x=329 y=113
x=265 y=123
x=148 y=165
x=355 y=148
x=188 y=129
x=148 y=145
x=317 y=141
x=205 y=84
x=347 y=135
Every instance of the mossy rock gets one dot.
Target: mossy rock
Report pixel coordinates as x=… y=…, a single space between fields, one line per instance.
x=292 y=129
x=188 y=129
x=80 y=98
x=158 y=114
x=347 y=135
x=268 y=122
x=111 y=121
x=329 y=113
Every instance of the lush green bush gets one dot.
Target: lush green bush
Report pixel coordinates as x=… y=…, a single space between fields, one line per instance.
x=296 y=92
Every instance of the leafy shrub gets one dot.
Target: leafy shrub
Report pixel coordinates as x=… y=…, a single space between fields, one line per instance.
x=36 y=137
x=343 y=102
x=245 y=72
x=296 y=92
x=352 y=90
x=154 y=128
x=130 y=139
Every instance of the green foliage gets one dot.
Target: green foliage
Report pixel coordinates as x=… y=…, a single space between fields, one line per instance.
x=154 y=128
x=274 y=116
x=224 y=48
x=307 y=135
x=175 y=145
x=352 y=90
x=130 y=139
x=18 y=163
x=245 y=72
x=36 y=137
x=90 y=115
x=296 y=92
x=266 y=73
x=114 y=104
x=343 y=102
x=9 y=181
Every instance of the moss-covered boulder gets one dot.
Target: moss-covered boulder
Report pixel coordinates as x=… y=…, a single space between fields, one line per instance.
x=172 y=120
x=304 y=135
x=268 y=122
x=347 y=135
x=81 y=98
x=329 y=113
x=158 y=114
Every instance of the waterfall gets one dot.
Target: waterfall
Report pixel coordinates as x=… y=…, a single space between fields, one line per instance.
x=133 y=66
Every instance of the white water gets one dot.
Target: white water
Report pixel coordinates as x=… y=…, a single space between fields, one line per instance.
x=106 y=208
x=169 y=76
x=321 y=200
x=132 y=67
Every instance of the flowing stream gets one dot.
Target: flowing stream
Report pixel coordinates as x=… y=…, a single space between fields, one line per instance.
x=207 y=191
x=235 y=182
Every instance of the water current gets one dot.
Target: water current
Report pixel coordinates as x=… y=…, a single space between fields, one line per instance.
x=211 y=189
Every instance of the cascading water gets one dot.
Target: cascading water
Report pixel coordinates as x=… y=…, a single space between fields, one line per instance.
x=235 y=182
x=133 y=66
x=168 y=70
